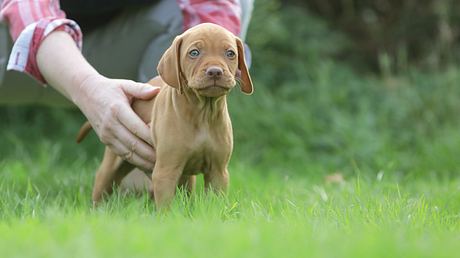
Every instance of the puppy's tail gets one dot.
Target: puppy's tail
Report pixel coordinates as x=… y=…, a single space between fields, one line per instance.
x=84 y=130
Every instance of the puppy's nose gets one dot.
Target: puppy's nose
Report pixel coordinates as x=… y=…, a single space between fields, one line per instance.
x=214 y=72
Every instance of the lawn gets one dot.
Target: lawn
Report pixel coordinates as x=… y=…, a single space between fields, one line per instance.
x=45 y=208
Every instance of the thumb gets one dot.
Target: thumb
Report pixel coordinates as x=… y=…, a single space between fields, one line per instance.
x=140 y=90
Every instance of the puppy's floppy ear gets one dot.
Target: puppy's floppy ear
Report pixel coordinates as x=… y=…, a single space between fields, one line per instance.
x=246 y=82
x=169 y=67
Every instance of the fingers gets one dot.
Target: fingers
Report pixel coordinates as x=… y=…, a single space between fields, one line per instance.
x=132 y=157
x=129 y=119
x=140 y=90
x=126 y=145
x=134 y=144
x=121 y=131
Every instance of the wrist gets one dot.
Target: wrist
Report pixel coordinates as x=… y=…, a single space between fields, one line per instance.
x=84 y=84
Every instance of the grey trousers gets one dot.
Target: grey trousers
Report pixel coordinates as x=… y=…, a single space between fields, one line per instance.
x=129 y=47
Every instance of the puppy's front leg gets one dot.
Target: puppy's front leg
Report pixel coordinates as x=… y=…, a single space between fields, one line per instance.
x=165 y=180
x=217 y=180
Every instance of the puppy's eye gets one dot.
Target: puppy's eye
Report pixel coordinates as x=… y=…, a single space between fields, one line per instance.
x=230 y=54
x=194 y=53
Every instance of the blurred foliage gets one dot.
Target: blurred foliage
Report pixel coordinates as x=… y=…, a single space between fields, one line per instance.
x=424 y=32
x=310 y=107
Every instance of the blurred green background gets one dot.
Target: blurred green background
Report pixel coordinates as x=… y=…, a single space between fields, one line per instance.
x=340 y=86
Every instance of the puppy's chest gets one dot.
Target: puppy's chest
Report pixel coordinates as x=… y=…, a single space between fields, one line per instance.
x=208 y=150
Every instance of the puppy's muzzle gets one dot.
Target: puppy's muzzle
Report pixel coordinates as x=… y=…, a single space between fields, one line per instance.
x=215 y=82
x=214 y=72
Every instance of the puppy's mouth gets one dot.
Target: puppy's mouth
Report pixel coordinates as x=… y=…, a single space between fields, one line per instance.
x=214 y=90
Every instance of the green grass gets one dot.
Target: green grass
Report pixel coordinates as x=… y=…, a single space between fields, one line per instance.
x=45 y=211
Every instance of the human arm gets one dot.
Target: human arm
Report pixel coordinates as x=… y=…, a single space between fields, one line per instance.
x=47 y=48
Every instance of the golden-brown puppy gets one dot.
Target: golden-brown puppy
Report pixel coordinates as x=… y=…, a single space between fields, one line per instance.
x=191 y=127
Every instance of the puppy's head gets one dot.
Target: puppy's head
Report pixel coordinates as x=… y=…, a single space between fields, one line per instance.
x=206 y=59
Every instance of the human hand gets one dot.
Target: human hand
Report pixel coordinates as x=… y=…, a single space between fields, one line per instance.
x=106 y=104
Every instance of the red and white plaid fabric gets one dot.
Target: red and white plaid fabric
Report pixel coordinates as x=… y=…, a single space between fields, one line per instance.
x=225 y=13
x=30 y=21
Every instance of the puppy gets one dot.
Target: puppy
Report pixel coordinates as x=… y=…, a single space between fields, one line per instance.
x=191 y=127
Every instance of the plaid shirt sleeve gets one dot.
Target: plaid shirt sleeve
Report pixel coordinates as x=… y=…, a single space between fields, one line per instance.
x=30 y=21
x=225 y=13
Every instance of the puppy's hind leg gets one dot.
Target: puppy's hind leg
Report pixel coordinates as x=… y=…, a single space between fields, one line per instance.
x=111 y=171
x=187 y=183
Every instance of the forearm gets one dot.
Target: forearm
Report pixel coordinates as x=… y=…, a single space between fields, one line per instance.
x=62 y=65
